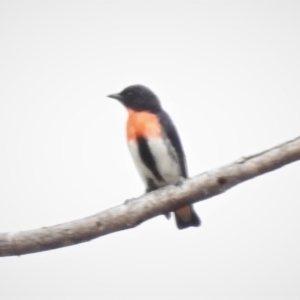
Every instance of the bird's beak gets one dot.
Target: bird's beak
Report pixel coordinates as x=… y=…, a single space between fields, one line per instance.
x=115 y=96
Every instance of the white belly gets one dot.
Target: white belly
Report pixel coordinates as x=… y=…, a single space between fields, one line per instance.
x=165 y=158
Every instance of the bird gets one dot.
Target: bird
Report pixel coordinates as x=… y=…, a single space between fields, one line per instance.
x=155 y=146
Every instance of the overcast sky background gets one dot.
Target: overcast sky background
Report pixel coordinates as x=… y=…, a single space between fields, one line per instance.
x=228 y=74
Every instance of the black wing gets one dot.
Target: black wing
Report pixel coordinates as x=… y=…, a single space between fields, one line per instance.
x=172 y=135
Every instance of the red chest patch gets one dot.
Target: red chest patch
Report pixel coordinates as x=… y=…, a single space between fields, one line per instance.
x=142 y=124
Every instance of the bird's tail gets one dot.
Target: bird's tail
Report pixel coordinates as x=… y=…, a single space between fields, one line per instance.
x=186 y=217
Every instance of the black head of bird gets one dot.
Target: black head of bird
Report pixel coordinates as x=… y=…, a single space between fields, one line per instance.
x=138 y=98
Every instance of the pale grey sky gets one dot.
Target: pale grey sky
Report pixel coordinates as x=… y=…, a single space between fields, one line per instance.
x=227 y=72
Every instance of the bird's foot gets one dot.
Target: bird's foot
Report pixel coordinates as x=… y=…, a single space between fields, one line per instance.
x=129 y=200
x=180 y=181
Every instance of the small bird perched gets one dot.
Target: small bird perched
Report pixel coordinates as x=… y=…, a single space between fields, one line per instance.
x=155 y=145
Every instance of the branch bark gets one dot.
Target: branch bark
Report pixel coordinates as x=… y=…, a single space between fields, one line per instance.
x=136 y=211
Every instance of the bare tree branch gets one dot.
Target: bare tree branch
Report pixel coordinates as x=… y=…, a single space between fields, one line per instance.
x=138 y=210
